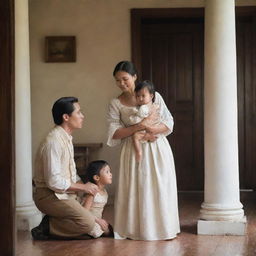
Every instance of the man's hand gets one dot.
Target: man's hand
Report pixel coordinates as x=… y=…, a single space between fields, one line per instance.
x=90 y=188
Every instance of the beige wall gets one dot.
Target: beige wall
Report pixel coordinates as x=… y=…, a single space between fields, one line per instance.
x=102 y=30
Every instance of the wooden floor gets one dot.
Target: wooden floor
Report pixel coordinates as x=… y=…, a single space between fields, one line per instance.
x=188 y=243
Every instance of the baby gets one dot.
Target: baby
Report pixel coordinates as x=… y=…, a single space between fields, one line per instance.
x=145 y=96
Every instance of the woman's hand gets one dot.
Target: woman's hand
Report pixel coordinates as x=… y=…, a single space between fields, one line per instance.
x=149 y=137
x=157 y=129
x=103 y=224
x=152 y=129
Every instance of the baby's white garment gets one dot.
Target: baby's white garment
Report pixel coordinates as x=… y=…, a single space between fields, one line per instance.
x=140 y=113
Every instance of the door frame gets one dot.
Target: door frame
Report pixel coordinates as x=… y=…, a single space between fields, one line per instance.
x=7 y=128
x=137 y=16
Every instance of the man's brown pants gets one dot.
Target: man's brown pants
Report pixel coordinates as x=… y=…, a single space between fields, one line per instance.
x=68 y=218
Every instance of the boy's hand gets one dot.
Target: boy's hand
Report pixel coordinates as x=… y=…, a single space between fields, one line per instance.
x=103 y=224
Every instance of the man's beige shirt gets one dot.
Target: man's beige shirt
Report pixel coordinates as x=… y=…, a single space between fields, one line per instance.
x=55 y=167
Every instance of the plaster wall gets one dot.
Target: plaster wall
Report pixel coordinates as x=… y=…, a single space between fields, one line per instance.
x=102 y=30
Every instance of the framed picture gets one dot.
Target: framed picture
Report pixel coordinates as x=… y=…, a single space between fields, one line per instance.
x=60 y=49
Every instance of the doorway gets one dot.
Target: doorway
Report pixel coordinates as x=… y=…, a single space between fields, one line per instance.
x=168 y=48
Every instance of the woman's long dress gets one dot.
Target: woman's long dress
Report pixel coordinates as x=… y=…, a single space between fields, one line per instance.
x=146 y=195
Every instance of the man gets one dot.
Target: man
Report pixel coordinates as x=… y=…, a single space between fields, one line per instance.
x=56 y=179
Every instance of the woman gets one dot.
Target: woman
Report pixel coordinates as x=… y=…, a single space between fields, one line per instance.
x=146 y=197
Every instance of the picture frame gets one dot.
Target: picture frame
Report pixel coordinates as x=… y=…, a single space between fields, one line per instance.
x=60 y=49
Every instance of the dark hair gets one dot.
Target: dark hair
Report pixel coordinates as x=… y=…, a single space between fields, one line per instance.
x=146 y=84
x=92 y=169
x=64 y=105
x=125 y=66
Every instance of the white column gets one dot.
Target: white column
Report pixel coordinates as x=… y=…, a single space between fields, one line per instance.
x=27 y=214
x=221 y=212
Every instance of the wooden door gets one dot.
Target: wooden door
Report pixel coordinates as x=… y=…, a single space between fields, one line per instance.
x=167 y=47
x=172 y=57
x=246 y=78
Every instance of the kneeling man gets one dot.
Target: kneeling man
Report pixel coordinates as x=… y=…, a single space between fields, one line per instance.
x=56 y=179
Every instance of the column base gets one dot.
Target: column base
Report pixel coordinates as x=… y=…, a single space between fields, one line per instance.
x=210 y=227
x=220 y=212
x=27 y=216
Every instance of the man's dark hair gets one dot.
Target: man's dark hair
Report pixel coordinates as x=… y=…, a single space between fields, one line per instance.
x=64 y=105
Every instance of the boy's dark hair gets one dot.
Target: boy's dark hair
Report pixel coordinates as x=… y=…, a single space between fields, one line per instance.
x=146 y=84
x=92 y=169
x=126 y=66
x=64 y=105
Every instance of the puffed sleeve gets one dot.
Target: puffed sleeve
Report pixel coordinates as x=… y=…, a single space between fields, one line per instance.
x=165 y=115
x=114 y=123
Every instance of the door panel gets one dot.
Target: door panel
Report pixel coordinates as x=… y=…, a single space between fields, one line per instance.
x=246 y=65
